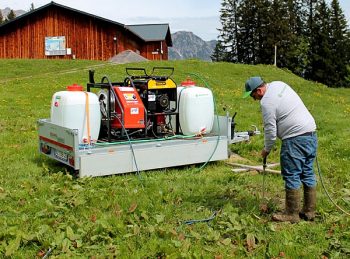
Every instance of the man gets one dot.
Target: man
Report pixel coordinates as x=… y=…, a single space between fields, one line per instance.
x=286 y=117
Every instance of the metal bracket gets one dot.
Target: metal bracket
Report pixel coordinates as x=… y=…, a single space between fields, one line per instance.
x=245 y=135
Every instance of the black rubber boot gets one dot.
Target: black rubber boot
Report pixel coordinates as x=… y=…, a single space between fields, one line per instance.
x=291 y=212
x=308 y=212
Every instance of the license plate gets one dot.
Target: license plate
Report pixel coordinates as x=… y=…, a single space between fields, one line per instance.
x=61 y=155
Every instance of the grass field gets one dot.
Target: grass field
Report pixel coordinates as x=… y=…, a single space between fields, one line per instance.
x=43 y=207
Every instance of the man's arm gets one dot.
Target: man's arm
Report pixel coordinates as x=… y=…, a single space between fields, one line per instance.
x=270 y=127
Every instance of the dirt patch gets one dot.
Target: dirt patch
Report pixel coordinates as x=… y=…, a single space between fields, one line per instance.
x=237 y=158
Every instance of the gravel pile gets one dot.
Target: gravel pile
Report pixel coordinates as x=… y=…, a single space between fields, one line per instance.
x=127 y=56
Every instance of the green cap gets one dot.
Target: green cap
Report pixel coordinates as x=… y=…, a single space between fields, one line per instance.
x=251 y=84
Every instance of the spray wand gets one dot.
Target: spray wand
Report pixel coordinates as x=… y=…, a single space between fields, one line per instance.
x=263 y=205
x=264 y=172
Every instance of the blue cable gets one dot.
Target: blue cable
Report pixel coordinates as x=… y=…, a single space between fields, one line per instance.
x=127 y=135
x=193 y=221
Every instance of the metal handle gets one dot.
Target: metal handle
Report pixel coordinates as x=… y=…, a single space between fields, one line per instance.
x=163 y=68
x=128 y=69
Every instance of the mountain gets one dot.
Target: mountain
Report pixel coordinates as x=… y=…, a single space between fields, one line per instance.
x=7 y=10
x=188 y=45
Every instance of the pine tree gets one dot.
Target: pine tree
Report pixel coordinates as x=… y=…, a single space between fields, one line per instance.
x=227 y=43
x=320 y=53
x=300 y=15
x=252 y=29
x=340 y=45
x=298 y=57
x=310 y=12
x=219 y=53
x=245 y=35
x=264 y=53
x=279 y=33
x=347 y=78
x=11 y=15
x=296 y=47
x=1 y=17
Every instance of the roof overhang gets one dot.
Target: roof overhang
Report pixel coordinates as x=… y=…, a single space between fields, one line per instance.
x=152 y=32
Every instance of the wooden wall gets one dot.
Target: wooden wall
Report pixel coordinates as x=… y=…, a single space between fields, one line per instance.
x=149 y=49
x=88 y=37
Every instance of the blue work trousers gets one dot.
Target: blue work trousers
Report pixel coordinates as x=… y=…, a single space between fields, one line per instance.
x=297 y=158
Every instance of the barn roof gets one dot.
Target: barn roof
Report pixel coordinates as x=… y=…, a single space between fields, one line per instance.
x=152 y=32
x=36 y=10
x=143 y=31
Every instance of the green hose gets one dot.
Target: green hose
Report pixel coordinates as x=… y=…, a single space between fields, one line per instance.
x=145 y=140
x=217 y=119
x=175 y=136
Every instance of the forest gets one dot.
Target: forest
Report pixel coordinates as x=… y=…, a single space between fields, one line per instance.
x=311 y=38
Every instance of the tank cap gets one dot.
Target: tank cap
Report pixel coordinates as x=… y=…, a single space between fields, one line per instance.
x=74 y=87
x=188 y=82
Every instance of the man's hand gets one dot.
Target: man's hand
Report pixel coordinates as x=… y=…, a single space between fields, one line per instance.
x=264 y=153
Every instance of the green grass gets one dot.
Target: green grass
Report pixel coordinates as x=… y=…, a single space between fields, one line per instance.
x=43 y=206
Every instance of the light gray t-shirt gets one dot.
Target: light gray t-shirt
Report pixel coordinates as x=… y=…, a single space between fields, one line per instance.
x=284 y=114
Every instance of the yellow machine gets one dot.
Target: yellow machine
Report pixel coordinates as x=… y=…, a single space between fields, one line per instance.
x=159 y=95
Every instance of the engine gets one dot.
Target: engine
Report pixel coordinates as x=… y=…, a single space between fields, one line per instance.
x=159 y=96
x=142 y=106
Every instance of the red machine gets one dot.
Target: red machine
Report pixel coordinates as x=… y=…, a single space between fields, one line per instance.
x=129 y=109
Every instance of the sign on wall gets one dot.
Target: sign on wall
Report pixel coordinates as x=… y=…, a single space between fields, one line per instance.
x=55 y=46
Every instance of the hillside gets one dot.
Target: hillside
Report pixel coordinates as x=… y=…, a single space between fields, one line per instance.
x=44 y=208
x=187 y=45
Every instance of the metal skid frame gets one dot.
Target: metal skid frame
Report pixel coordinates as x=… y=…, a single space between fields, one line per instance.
x=61 y=144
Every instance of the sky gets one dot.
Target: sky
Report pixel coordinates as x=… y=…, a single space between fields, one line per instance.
x=198 y=16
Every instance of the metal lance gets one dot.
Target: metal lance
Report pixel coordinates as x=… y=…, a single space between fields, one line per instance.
x=264 y=172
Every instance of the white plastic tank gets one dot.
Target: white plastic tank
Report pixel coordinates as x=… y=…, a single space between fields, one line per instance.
x=196 y=108
x=69 y=109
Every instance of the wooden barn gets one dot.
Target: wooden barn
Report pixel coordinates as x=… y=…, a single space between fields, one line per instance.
x=60 y=32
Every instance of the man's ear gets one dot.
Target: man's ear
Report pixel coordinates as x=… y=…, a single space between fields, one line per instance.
x=259 y=90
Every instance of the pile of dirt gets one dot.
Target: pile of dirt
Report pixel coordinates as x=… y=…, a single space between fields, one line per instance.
x=127 y=56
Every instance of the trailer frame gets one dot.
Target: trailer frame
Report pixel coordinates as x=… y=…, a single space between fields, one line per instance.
x=101 y=159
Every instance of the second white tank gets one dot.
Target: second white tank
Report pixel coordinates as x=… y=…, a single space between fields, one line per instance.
x=196 y=108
